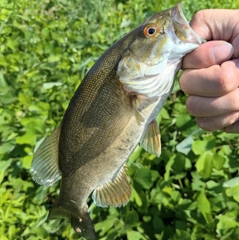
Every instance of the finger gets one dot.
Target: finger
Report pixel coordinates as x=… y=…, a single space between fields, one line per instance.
x=213 y=107
x=216 y=123
x=208 y=54
x=214 y=81
x=215 y=24
x=234 y=128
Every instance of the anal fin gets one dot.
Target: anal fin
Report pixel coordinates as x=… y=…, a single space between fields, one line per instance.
x=115 y=192
x=151 y=141
x=45 y=170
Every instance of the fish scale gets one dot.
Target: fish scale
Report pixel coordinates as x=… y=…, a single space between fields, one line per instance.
x=114 y=108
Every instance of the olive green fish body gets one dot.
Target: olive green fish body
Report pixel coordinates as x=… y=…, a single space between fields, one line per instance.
x=114 y=108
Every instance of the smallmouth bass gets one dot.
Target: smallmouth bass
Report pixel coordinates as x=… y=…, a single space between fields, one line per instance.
x=114 y=108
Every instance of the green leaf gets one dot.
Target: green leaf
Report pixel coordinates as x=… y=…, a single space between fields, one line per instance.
x=24 y=99
x=204 y=206
x=26 y=162
x=199 y=147
x=135 y=197
x=133 y=235
x=182 y=234
x=218 y=161
x=204 y=164
x=185 y=146
x=168 y=167
x=6 y=147
x=233 y=192
x=143 y=177
x=135 y=154
x=105 y=225
x=132 y=218
x=182 y=120
x=164 y=113
x=4 y=165
x=226 y=223
x=28 y=138
x=231 y=183
x=50 y=85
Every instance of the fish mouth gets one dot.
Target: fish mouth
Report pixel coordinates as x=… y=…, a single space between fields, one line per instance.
x=182 y=28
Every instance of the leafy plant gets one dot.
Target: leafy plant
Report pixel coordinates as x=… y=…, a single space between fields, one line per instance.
x=46 y=48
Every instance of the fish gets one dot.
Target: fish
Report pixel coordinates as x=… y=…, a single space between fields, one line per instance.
x=113 y=110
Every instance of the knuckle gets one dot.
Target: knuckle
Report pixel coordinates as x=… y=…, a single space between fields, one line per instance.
x=202 y=123
x=198 y=16
x=228 y=79
x=206 y=124
x=184 y=81
x=224 y=83
x=234 y=117
x=190 y=105
x=233 y=128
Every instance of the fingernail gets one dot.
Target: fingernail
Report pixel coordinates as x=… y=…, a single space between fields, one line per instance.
x=222 y=52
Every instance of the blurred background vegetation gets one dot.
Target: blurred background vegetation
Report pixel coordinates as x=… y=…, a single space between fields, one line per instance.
x=46 y=48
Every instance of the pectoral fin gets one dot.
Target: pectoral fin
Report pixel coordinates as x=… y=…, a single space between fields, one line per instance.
x=135 y=102
x=151 y=141
x=115 y=192
x=45 y=170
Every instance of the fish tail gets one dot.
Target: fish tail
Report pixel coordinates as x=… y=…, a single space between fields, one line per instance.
x=79 y=218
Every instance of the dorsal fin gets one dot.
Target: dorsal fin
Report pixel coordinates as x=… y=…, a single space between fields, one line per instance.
x=115 y=192
x=151 y=141
x=45 y=170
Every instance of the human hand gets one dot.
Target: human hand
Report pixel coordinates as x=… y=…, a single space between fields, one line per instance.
x=211 y=76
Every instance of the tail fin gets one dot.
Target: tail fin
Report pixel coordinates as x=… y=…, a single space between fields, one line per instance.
x=79 y=218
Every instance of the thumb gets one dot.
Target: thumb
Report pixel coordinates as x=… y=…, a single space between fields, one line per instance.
x=208 y=54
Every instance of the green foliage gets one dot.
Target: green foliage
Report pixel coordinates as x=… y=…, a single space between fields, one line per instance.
x=46 y=48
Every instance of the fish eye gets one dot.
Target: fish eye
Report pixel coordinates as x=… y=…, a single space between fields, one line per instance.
x=150 y=30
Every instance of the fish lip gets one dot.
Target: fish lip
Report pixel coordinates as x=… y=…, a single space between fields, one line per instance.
x=179 y=19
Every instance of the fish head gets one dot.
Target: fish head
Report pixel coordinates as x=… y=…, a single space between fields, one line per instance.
x=156 y=48
x=164 y=33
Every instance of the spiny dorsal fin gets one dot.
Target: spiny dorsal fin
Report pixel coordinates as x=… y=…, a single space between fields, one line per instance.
x=115 y=192
x=45 y=170
x=151 y=141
